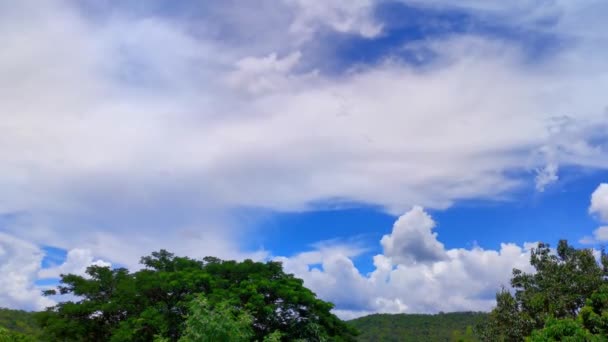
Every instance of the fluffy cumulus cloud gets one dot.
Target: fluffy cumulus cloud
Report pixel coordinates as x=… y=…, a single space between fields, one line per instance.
x=456 y=279
x=130 y=129
x=76 y=262
x=19 y=264
x=412 y=239
x=599 y=202
x=598 y=208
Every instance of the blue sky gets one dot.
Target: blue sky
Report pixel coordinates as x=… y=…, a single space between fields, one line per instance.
x=399 y=156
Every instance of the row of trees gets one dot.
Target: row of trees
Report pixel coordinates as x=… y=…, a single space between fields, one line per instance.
x=186 y=300
x=182 y=299
x=565 y=299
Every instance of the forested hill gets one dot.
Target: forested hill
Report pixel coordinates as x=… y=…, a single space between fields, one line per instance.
x=19 y=321
x=379 y=327
x=457 y=326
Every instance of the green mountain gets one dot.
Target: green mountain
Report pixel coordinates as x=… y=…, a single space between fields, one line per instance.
x=457 y=326
x=18 y=323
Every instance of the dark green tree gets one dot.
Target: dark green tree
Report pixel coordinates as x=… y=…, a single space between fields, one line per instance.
x=551 y=298
x=116 y=305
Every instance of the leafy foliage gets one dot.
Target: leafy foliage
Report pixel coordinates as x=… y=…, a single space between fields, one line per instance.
x=565 y=299
x=454 y=327
x=13 y=336
x=222 y=323
x=153 y=303
x=17 y=323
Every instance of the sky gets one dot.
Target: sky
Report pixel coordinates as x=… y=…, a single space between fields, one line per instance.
x=399 y=156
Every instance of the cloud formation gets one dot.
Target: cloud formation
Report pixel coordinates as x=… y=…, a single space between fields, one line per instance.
x=461 y=279
x=76 y=262
x=124 y=131
x=599 y=208
x=599 y=202
x=19 y=264
x=412 y=239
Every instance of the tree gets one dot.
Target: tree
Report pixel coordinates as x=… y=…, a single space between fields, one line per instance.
x=594 y=315
x=220 y=324
x=566 y=329
x=591 y=323
x=116 y=305
x=18 y=323
x=550 y=299
x=12 y=336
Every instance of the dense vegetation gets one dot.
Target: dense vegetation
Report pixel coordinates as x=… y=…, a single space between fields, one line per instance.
x=457 y=326
x=171 y=296
x=20 y=322
x=186 y=300
x=18 y=326
x=566 y=299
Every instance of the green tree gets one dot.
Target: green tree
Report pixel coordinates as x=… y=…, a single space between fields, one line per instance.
x=19 y=321
x=12 y=336
x=567 y=329
x=594 y=315
x=116 y=305
x=550 y=299
x=220 y=324
x=467 y=336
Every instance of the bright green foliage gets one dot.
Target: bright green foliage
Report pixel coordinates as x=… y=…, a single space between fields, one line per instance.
x=467 y=336
x=591 y=323
x=19 y=321
x=220 y=324
x=116 y=305
x=12 y=336
x=568 y=330
x=273 y=337
x=594 y=315
x=453 y=327
x=549 y=301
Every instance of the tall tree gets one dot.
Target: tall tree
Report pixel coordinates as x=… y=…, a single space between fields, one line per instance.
x=563 y=282
x=116 y=305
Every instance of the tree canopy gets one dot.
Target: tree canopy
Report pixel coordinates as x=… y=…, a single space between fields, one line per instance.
x=16 y=323
x=155 y=303
x=566 y=298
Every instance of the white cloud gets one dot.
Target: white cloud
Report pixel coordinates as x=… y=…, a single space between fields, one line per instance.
x=601 y=234
x=599 y=207
x=121 y=134
x=19 y=264
x=258 y=75
x=599 y=202
x=348 y=16
x=77 y=261
x=465 y=279
x=413 y=240
x=546 y=175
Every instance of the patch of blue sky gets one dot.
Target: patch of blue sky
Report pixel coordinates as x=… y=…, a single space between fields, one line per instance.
x=403 y=25
x=53 y=256
x=362 y=226
x=560 y=212
x=47 y=283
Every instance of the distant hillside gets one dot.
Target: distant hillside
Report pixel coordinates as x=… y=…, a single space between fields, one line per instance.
x=457 y=326
x=19 y=321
